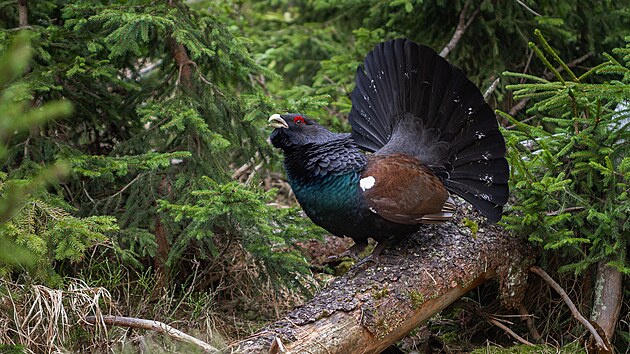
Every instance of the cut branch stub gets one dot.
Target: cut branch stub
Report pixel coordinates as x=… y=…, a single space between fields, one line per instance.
x=371 y=307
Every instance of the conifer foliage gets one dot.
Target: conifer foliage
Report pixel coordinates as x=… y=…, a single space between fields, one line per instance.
x=571 y=167
x=121 y=123
x=157 y=118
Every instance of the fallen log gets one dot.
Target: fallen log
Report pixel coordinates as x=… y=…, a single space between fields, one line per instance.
x=376 y=304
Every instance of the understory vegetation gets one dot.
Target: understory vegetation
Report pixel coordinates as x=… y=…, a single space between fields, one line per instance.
x=137 y=180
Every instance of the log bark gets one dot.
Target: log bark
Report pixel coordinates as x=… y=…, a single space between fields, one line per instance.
x=608 y=298
x=373 y=306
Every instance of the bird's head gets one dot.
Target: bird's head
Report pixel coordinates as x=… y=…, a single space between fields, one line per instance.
x=292 y=130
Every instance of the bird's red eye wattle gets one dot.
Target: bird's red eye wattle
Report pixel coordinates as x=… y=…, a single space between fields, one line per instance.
x=298 y=119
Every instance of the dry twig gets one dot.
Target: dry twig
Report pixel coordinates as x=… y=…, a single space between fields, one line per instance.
x=491 y=89
x=462 y=26
x=154 y=326
x=576 y=313
x=528 y=8
x=475 y=308
x=509 y=331
x=533 y=331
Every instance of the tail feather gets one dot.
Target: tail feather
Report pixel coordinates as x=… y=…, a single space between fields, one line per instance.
x=488 y=208
x=487 y=147
x=410 y=100
x=480 y=171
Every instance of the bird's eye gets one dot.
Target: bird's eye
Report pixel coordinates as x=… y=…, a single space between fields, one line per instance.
x=298 y=120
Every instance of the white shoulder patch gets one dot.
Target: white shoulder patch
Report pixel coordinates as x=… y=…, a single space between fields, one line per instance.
x=367 y=182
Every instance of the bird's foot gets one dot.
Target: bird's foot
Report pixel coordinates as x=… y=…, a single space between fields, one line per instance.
x=353 y=252
x=374 y=257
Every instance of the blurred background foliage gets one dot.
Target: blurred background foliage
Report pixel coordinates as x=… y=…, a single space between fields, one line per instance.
x=134 y=154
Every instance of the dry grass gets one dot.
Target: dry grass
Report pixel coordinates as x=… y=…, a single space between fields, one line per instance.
x=46 y=320
x=41 y=319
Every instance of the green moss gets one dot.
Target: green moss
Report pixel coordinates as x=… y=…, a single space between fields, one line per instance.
x=379 y=294
x=383 y=327
x=417 y=299
x=344 y=266
x=572 y=348
x=450 y=338
x=11 y=349
x=325 y=313
x=472 y=225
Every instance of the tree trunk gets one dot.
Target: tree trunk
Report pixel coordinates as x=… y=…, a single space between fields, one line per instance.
x=375 y=305
x=608 y=298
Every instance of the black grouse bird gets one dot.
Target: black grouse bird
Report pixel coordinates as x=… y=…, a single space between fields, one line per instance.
x=431 y=133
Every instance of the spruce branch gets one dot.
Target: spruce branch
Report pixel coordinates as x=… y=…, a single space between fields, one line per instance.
x=547 y=76
x=554 y=55
x=126 y=186
x=545 y=61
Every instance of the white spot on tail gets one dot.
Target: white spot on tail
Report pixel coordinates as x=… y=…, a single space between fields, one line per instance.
x=367 y=182
x=487 y=178
x=373 y=210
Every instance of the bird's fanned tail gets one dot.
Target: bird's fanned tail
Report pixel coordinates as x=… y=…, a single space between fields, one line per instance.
x=410 y=100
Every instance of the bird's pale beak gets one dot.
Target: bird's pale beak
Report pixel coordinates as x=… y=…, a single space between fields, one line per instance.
x=276 y=121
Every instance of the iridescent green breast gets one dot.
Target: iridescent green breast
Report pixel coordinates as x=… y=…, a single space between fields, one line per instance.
x=328 y=195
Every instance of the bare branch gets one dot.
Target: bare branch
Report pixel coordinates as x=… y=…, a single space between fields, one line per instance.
x=23 y=14
x=462 y=26
x=517 y=107
x=475 y=308
x=565 y=210
x=509 y=331
x=530 y=323
x=491 y=89
x=528 y=8
x=157 y=326
x=123 y=188
x=576 y=313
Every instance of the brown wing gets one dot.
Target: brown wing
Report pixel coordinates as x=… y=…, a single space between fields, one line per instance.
x=401 y=189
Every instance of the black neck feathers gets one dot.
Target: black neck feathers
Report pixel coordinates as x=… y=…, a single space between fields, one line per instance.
x=336 y=156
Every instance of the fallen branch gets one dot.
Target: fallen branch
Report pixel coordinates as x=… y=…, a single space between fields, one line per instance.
x=531 y=328
x=509 y=331
x=154 y=326
x=373 y=306
x=475 y=308
x=576 y=313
